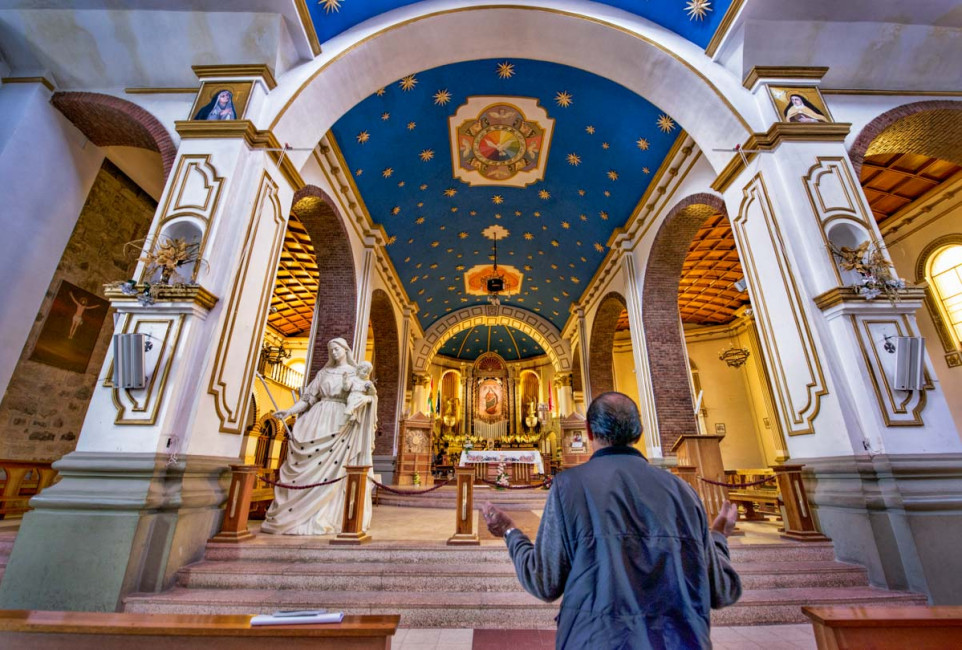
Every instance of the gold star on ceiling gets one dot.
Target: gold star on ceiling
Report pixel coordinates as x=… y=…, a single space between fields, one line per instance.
x=505 y=70
x=697 y=9
x=565 y=225
x=426 y=155
x=463 y=235
x=554 y=242
x=497 y=199
x=411 y=126
x=563 y=99
x=544 y=195
x=454 y=209
x=385 y=116
x=590 y=130
x=331 y=5
x=528 y=236
x=401 y=184
x=605 y=145
x=408 y=83
x=419 y=220
x=599 y=247
x=574 y=159
x=606 y=193
x=642 y=144
x=450 y=191
x=358 y=172
x=391 y=239
x=442 y=97
x=387 y=172
x=665 y=123
x=575 y=280
x=380 y=92
x=612 y=174
x=423 y=186
x=583 y=217
x=363 y=137
x=603 y=215
x=581 y=192
x=396 y=210
x=435 y=244
x=645 y=170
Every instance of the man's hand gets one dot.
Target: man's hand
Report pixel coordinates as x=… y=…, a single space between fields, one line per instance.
x=725 y=521
x=498 y=522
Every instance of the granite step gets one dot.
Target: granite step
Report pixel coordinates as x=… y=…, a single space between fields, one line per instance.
x=446 y=497
x=488 y=609
x=487 y=576
x=318 y=550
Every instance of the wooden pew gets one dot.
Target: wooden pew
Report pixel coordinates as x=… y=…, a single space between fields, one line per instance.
x=750 y=496
x=22 y=480
x=886 y=628
x=37 y=630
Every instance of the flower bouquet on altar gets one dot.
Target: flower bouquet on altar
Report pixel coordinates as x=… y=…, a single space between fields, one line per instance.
x=502 y=482
x=416 y=479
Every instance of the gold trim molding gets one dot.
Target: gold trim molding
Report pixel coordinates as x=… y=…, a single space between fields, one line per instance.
x=891 y=93
x=791 y=73
x=768 y=141
x=723 y=27
x=193 y=293
x=254 y=137
x=186 y=90
x=236 y=70
x=840 y=295
x=308 y=25
x=29 y=80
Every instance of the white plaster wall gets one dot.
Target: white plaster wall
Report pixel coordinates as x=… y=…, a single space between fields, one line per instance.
x=47 y=169
x=905 y=253
x=727 y=402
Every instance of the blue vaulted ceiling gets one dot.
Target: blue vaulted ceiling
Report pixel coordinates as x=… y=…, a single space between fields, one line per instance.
x=696 y=20
x=606 y=146
x=510 y=343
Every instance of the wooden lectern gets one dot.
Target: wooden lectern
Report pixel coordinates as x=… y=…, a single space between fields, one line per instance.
x=702 y=453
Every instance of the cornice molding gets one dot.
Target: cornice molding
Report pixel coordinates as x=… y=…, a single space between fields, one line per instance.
x=787 y=73
x=186 y=90
x=259 y=70
x=847 y=295
x=29 y=80
x=192 y=293
x=778 y=133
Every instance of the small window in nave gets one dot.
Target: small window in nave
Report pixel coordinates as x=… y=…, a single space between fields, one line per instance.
x=945 y=278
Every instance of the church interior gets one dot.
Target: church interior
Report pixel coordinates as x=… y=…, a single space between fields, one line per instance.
x=743 y=214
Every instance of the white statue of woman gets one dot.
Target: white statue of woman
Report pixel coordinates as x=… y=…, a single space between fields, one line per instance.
x=325 y=439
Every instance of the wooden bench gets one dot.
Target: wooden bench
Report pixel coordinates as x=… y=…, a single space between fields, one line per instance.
x=22 y=480
x=886 y=628
x=750 y=496
x=37 y=630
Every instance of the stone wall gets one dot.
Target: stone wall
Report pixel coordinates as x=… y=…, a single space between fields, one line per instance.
x=44 y=407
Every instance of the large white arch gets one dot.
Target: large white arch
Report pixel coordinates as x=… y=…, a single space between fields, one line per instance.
x=540 y=329
x=668 y=70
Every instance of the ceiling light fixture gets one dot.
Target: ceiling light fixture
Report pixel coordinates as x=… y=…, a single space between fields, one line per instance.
x=495 y=283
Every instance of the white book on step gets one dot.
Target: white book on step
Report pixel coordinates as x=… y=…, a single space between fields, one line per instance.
x=270 y=619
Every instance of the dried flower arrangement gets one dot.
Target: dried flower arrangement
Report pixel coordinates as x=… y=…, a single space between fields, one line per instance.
x=167 y=255
x=873 y=268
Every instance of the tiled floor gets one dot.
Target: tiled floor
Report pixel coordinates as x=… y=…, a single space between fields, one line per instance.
x=763 y=637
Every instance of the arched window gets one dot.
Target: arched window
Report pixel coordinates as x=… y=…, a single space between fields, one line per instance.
x=945 y=279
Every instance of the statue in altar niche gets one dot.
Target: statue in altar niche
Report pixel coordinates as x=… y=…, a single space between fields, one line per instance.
x=531 y=421
x=449 y=420
x=337 y=417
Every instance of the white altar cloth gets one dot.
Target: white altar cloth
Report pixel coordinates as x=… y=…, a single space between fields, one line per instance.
x=496 y=456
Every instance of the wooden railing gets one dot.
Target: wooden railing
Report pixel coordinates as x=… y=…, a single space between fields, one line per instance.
x=22 y=480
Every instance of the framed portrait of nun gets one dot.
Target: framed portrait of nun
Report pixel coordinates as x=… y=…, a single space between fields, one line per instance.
x=800 y=104
x=221 y=100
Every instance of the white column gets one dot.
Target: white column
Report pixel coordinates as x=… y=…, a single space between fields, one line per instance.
x=364 y=293
x=639 y=350
x=402 y=375
x=583 y=345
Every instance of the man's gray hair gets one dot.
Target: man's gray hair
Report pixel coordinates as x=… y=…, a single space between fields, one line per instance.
x=614 y=418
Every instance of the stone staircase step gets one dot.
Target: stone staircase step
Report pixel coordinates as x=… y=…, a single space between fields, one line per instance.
x=488 y=609
x=316 y=550
x=487 y=576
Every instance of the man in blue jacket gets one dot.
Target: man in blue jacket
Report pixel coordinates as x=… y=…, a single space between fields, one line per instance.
x=627 y=544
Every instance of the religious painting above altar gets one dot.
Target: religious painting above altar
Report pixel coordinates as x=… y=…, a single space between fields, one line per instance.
x=490 y=406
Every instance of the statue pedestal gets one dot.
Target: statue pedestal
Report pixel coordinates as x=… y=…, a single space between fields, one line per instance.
x=414 y=450
x=351 y=526
x=702 y=453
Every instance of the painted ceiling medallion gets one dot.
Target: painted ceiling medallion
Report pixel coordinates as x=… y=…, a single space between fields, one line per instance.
x=500 y=141
x=475 y=279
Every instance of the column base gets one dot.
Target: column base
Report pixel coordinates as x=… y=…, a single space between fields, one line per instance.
x=460 y=539
x=114 y=524
x=350 y=539
x=232 y=537
x=897 y=515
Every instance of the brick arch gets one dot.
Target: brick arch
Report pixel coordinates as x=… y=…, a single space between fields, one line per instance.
x=335 y=310
x=387 y=360
x=937 y=135
x=674 y=410
x=109 y=121
x=576 y=383
x=601 y=375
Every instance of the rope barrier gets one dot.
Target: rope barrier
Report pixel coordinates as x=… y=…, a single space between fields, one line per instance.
x=299 y=487
x=737 y=485
x=544 y=484
x=412 y=492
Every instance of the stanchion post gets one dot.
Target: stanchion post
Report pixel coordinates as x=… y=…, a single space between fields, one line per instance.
x=354 y=502
x=797 y=515
x=234 y=527
x=464 y=534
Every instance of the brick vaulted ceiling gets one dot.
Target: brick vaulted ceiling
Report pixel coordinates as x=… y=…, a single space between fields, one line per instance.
x=892 y=181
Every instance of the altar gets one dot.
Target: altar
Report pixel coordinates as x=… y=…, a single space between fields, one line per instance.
x=518 y=462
